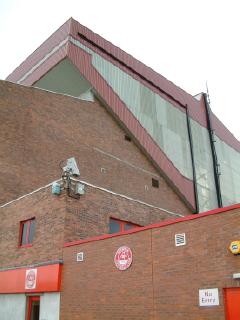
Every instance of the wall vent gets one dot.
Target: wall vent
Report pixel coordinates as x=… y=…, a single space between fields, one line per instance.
x=180 y=239
x=103 y=170
x=155 y=183
x=127 y=138
x=80 y=257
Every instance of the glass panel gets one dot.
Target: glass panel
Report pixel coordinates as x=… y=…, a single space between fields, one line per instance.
x=165 y=123
x=229 y=160
x=24 y=233
x=31 y=231
x=206 y=188
x=128 y=226
x=114 y=226
x=167 y=126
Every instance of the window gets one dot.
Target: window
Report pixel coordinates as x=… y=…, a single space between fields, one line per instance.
x=116 y=225
x=27 y=229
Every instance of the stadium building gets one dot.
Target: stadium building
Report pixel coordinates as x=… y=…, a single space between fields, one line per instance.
x=148 y=229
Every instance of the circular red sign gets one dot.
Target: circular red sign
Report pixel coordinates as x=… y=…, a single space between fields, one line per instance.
x=123 y=258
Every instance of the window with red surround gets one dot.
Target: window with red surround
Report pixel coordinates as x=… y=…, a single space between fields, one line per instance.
x=27 y=230
x=116 y=225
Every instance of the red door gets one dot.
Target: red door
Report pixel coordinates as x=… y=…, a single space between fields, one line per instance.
x=232 y=302
x=33 y=308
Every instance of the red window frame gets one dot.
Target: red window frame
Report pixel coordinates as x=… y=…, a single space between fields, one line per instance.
x=22 y=223
x=122 y=223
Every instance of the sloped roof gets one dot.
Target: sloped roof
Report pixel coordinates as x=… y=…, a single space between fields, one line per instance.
x=63 y=43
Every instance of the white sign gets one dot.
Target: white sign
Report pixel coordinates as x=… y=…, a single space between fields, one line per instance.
x=79 y=256
x=31 y=279
x=208 y=297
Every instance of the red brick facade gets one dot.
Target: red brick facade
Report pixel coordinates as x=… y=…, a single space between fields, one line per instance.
x=163 y=281
x=40 y=129
x=89 y=217
x=49 y=213
x=35 y=138
x=60 y=219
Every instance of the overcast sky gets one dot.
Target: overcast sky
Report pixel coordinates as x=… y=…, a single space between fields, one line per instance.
x=187 y=41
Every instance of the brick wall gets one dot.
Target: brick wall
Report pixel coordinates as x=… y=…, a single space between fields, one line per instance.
x=163 y=281
x=95 y=289
x=89 y=216
x=205 y=262
x=49 y=213
x=39 y=129
x=61 y=219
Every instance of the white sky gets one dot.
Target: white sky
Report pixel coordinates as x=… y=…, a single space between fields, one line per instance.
x=187 y=41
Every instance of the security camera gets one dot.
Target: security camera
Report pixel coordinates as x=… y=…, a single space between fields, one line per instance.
x=72 y=167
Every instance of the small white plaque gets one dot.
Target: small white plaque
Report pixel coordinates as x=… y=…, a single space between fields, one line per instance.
x=208 y=297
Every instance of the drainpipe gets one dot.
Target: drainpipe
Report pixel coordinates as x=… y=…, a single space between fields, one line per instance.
x=214 y=153
x=192 y=159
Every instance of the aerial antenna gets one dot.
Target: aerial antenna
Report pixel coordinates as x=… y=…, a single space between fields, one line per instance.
x=216 y=164
x=208 y=96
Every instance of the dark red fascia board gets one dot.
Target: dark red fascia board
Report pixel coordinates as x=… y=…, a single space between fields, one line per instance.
x=146 y=75
x=155 y=225
x=138 y=74
x=54 y=39
x=132 y=64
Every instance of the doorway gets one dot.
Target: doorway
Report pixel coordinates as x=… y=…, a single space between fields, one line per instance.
x=232 y=303
x=33 y=308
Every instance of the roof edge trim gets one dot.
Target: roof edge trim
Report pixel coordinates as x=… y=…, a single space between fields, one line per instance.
x=46 y=57
x=122 y=63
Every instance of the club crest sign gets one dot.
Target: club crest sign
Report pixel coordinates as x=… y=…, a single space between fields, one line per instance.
x=123 y=258
x=31 y=279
